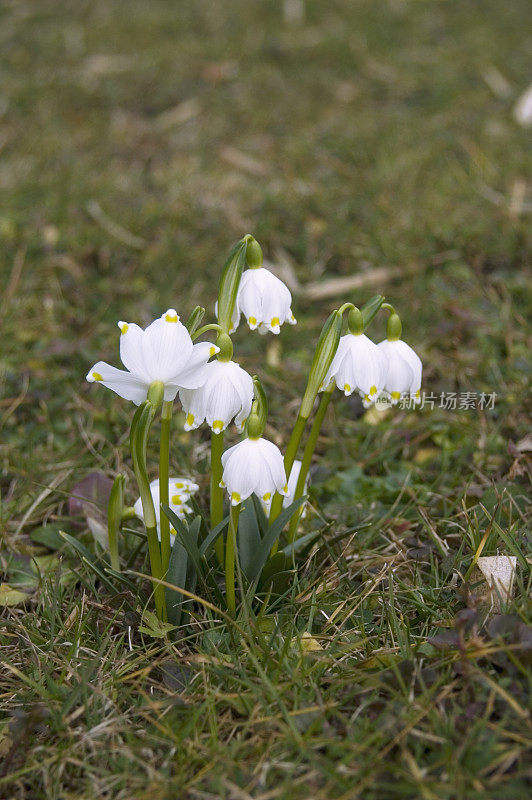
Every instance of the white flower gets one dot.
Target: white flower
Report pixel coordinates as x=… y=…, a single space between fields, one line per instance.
x=264 y=300
x=253 y=466
x=163 y=352
x=358 y=365
x=289 y=498
x=404 y=370
x=180 y=490
x=226 y=394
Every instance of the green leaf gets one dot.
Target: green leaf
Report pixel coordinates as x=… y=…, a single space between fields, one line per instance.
x=248 y=538
x=48 y=536
x=154 y=627
x=11 y=597
x=177 y=576
x=370 y=309
x=208 y=542
x=276 y=574
x=298 y=545
x=261 y=556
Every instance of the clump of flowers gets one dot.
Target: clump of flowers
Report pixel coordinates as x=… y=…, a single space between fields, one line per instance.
x=165 y=361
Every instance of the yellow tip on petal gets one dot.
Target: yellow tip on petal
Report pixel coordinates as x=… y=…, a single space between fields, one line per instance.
x=190 y=419
x=418 y=393
x=217 y=426
x=266 y=496
x=212 y=350
x=252 y=321
x=97 y=376
x=396 y=395
x=123 y=327
x=177 y=500
x=373 y=391
x=285 y=490
x=171 y=315
x=235 y=498
x=347 y=388
x=275 y=322
x=179 y=485
x=367 y=398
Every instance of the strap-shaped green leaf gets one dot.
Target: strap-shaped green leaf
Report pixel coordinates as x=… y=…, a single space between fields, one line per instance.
x=194 y=321
x=370 y=309
x=263 y=552
x=248 y=538
x=229 y=283
x=209 y=541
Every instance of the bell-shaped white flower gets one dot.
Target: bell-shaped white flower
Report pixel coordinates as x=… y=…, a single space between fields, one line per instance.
x=264 y=300
x=227 y=394
x=162 y=352
x=253 y=466
x=179 y=490
x=404 y=370
x=289 y=498
x=358 y=365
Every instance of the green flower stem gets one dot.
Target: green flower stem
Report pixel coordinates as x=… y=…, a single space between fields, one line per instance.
x=115 y=515
x=217 y=493
x=307 y=456
x=164 y=461
x=212 y=326
x=290 y=455
x=230 y=556
x=140 y=428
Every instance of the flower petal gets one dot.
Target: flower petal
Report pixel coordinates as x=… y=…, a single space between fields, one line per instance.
x=123 y=383
x=166 y=348
x=131 y=336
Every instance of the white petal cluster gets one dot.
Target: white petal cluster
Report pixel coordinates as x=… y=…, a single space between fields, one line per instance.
x=358 y=365
x=264 y=300
x=180 y=490
x=289 y=498
x=227 y=394
x=253 y=466
x=404 y=370
x=162 y=352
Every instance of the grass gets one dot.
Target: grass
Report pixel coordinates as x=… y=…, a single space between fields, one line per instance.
x=139 y=141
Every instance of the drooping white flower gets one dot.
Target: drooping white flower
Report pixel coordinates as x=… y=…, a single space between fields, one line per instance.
x=162 y=352
x=264 y=300
x=227 y=394
x=358 y=365
x=180 y=491
x=253 y=466
x=404 y=370
x=289 y=498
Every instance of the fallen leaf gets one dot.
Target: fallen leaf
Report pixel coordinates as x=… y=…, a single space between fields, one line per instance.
x=11 y=597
